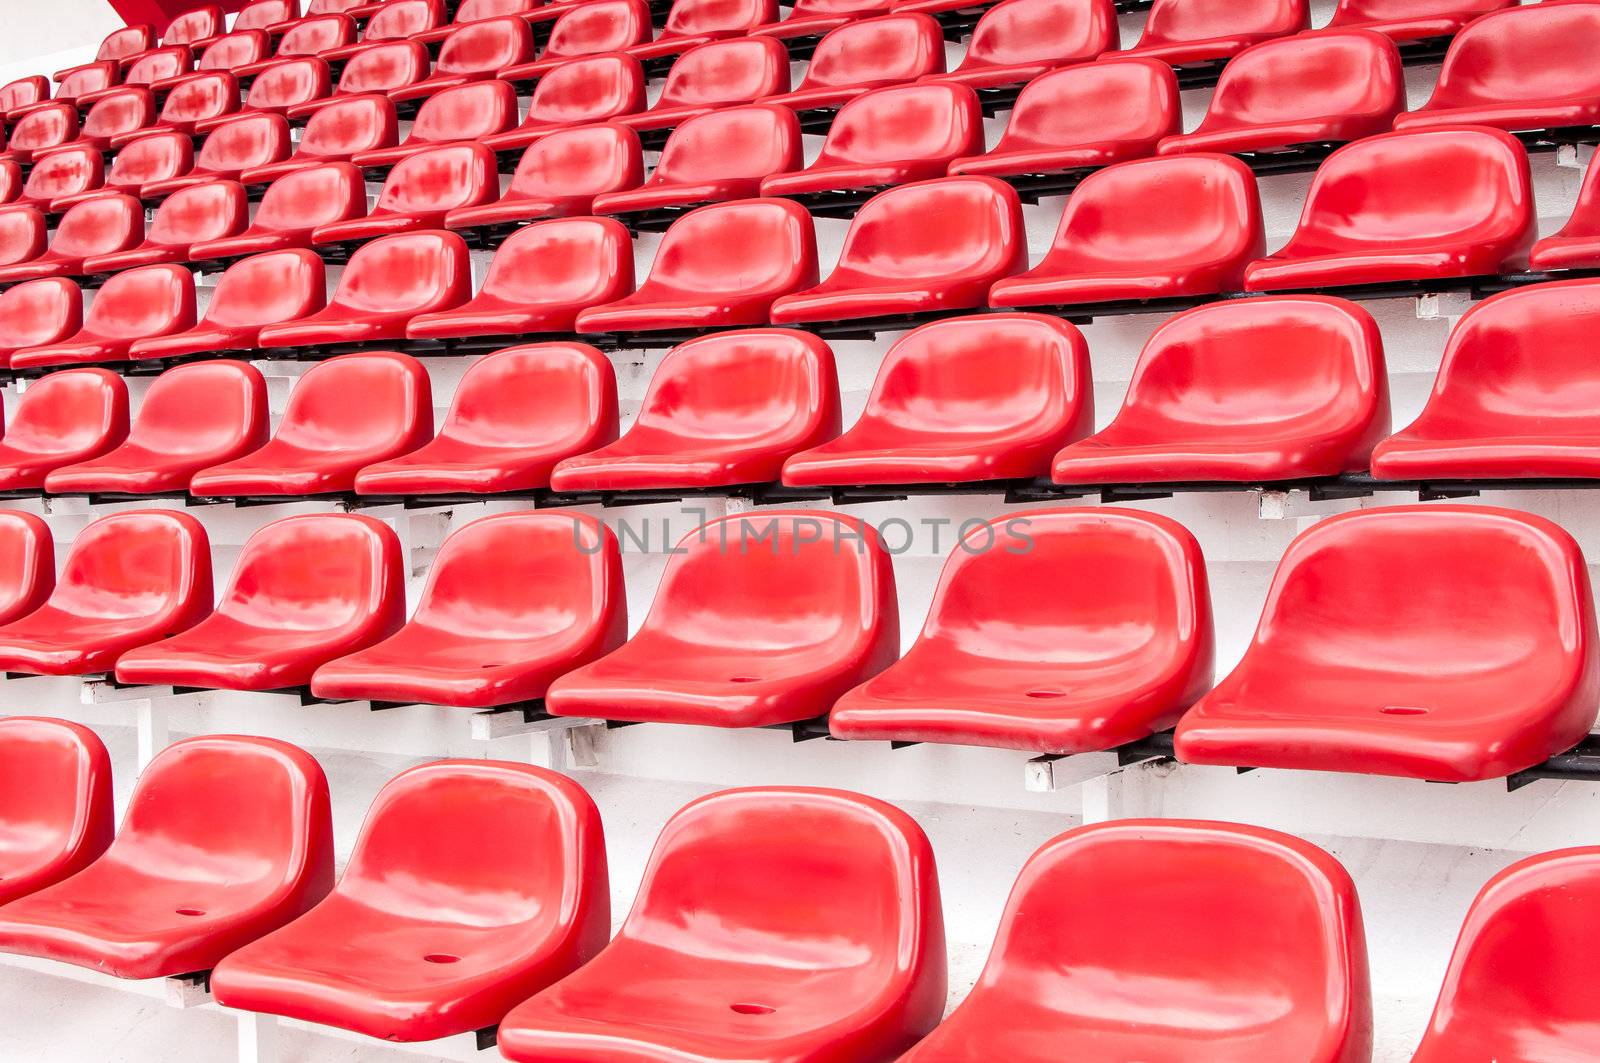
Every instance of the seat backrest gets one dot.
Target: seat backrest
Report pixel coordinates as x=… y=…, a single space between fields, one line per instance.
x=56 y=809
x=717 y=18
x=383 y=67
x=395 y=404
x=722 y=72
x=269 y=288
x=22 y=235
x=125 y=42
x=235 y=49
x=732 y=143
x=312 y=35
x=289 y=82
x=1178 y=21
x=1047 y=31
x=478 y=10
x=1534 y=52
x=489 y=844
x=399 y=19
x=419 y=271
x=588 y=90
x=803 y=9
x=247 y=140
x=440 y=178
x=465 y=112
x=598 y=26
x=877 y=51
x=980 y=232
x=199 y=97
x=119 y=111
x=53 y=123
x=137 y=564
x=318 y=195
x=575 y=261
x=158 y=65
x=317 y=571
x=1356 y=12
x=91 y=77
x=10 y=180
x=27 y=574
x=719 y=856
x=211 y=407
x=23 y=91
x=99 y=226
x=263 y=13
x=336 y=7
x=485 y=47
x=749 y=244
x=161 y=154
x=902 y=123
x=344 y=127
x=583 y=160
x=65 y=173
x=539 y=394
x=198 y=24
x=68 y=411
x=37 y=312
x=148 y=301
x=1317 y=75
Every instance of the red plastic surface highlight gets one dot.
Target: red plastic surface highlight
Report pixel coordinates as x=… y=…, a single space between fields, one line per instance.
x=56 y=815
x=560 y=175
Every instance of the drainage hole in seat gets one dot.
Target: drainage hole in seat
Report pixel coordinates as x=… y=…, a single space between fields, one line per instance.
x=441 y=957
x=744 y=679
x=752 y=1009
x=1047 y=693
x=1403 y=710
x=191 y=912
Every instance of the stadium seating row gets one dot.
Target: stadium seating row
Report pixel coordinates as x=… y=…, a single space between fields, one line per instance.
x=497 y=873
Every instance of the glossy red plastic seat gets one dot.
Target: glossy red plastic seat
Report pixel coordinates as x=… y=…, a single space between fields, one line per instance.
x=561 y=175
x=56 y=815
x=91 y=77
x=691 y=23
x=305 y=590
x=473 y=111
x=577 y=92
x=23 y=92
x=1209 y=941
x=310 y=36
x=194 y=26
x=890 y=136
x=233 y=150
x=814 y=18
x=1190 y=32
x=1402 y=207
x=814 y=590
x=510 y=901
x=10 y=180
x=1577 y=245
x=196 y=99
x=549 y=586
x=252 y=816
x=472 y=53
x=1056 y=631
x=62 y=419
x=47 y=126
x=284 y=85
x=22 y=235
x=133 y=305
x=231 y=52
x=714 y=964
x=38 y=312
x=157 y=155
x=292 y=208
x=963 y=399
x=720 y=410
x=515 y=414
x=861 y=56
x=1411 y=20
x=1018 y=40
x=344 y=414
x=208 y=211
x=27 y=576
x=716 y=156
x=333 y=134
x=419 y=192
x=376 y=68
x=395 y=20
x=894 y=263
x=1509 y=401
x=129 y=578
x=1443 y=642
x=265 y=289
x=1214 y=399
x=1521 y=68
x=1114 y=245
x=148 y=70
x=265 y=14
x=119 y=46
x=718 y=266
x=387 y=283
x=469 y=11
x=192 y=417
x=589 y=28
x=1312 y=88
x=540 y=279
x=63 y=172
x=718 y=74
x=118 y=113
x=93 y=227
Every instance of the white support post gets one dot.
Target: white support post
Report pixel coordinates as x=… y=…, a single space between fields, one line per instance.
x=1104 y=797
x=1039 y=775
x=550 y=749
x=151 y=718
x=258 y=1038
x=185 y=992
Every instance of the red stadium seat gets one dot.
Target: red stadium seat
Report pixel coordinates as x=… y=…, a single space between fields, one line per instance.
x=529 y=856
x=861 y=974
x=1407 y=207
x=340 y=577
x=577 y=92
x=1111 y=246
x=1375 y=621
x=713 y=157
x=309 y=36
x=1508 y=402
x=194 y=26
x=133 y=305
x=816 y=18
x=332 y=134
x=192 y=100
x=474 y=111
x=192 y=417
x=720 y=411
x=472 y=53
x=719 y=266
x=894 y=263
x=63 y=172
x=240 y=146
x=96 y=226
x=963 y=399
x=1257 y=932
x=22 y=235
x=590 y=28
x=889 y=137
x=42 y=129
x=1310 y=89
x=284 y=85
x=1058 y=631
x=27 y=576
x=62 y=419
x=691 y=23
x=377 y=68
x=230 y=52
x=1577 y=245
x=1018 y=40
x=119 y=112
x=395 y=20
x=158 y=155
x=1212 y=400
x=265 y=289
x=91 y=77
x=343 y=415
x=1522 y=68
x=1411 y=20
x=861 y=56
x=38 y=312
x=129 y=578
x=388 y=282
x=719 y=74
x=149 y=69
x=199 y=212
x=10 y=181
x=266 y=14
x=540 y=279
x=419 y=192
x=515 y=414
x=478 y=11
x=293 y=207
x=23 y=92
x=552 y=582
x=1190 y=32
x=561 y=175
x=126 y=43
x=56 y=812
x=251 y=815
x=1513 y=991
